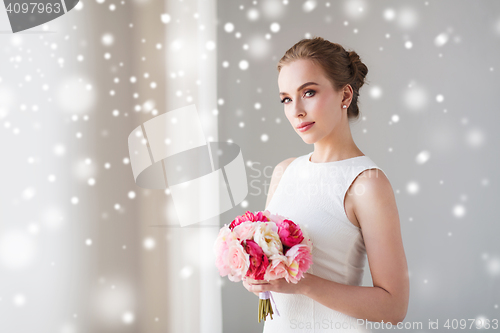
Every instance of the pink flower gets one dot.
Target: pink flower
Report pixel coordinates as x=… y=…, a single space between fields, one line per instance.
x=276 y=218
x=249 y=216
x=220 y=249
x=277 y=268
x=290 y=233
x=245 y=230
x=238 y=260
x=299 y=260
x=258 y=260
x=261 y=217
x=307 y=241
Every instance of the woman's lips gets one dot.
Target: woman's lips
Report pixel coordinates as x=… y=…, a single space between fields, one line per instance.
x=305 y=128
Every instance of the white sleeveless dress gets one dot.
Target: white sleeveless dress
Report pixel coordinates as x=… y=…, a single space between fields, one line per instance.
x=312 y=195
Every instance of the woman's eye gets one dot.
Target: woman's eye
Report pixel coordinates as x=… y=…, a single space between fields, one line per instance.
x=309 y=91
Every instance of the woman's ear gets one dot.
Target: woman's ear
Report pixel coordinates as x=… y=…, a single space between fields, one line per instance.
x=347 y=95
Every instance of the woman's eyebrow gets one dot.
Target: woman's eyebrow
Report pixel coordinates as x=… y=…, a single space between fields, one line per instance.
x=301 y=87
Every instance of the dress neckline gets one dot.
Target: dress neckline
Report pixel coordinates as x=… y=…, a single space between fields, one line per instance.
x=330 y=163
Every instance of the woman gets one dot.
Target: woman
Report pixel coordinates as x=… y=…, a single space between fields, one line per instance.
x=339 y=196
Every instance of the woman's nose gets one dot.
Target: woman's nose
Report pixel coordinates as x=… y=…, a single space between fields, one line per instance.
x=298 y=109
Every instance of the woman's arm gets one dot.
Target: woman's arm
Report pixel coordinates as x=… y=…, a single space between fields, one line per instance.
x=377 y=214
x=367 y=303
x=278 y=171
x=387 y=300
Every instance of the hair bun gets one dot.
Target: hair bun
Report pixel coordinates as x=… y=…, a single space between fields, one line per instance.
x=359 y=69
x=351 y=55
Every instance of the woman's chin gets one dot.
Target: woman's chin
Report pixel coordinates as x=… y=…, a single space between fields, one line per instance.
x=308 y=138
x=309 y=141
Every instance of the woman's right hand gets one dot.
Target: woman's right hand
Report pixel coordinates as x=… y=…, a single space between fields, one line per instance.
x=247 y=283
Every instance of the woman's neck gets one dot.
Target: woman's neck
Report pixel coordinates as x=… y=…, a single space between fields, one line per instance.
x=339 y=145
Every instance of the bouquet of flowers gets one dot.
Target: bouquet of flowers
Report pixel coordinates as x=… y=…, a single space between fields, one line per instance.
x=263 y=246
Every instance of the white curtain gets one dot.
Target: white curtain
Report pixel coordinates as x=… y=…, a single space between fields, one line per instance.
x=194 y=296
x=78 y=238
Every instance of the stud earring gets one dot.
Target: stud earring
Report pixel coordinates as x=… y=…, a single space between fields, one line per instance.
x=344 y=106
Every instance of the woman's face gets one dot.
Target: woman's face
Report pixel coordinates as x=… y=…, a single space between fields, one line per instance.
x=318 y=103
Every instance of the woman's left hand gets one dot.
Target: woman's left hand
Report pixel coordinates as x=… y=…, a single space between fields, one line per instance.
x=279 y=286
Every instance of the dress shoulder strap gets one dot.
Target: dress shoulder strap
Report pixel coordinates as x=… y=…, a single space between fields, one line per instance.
x=354 y=168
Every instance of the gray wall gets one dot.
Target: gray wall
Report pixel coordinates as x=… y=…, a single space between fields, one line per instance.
x=453 y=258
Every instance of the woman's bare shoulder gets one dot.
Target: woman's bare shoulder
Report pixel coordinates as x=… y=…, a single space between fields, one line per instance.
x=275 y=178
x=284 y=164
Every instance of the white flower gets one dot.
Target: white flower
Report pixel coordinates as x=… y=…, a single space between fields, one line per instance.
x=266 y=236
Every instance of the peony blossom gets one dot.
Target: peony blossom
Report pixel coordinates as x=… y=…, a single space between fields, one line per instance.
x=307 y=241
x=238 y=260
x=221 y=248
x=276 y=218
x=266 y=236
x=267 y=214
x=245 y=230
x=248 y=216
x=299 y=260
x=258 y=260
x=277 y=268
x=290 y=233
